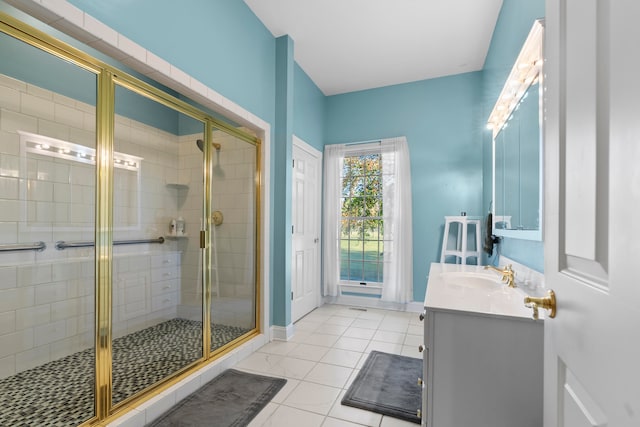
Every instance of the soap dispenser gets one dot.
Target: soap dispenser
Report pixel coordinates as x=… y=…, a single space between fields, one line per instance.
x=180 y=226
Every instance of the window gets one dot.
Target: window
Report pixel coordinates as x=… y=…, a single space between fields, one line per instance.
x=361 y=226
x=364 y=244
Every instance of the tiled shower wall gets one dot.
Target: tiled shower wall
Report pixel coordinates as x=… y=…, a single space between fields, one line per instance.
x=47 y=298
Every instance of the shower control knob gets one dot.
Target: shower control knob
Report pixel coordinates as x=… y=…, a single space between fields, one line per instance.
x=424 y=312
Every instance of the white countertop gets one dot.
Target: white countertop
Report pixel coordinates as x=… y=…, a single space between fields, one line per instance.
x=471 y=289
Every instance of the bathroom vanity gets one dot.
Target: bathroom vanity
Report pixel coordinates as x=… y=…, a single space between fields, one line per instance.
x=483 y=352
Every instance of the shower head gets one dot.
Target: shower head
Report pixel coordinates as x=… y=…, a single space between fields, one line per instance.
x=200 y=144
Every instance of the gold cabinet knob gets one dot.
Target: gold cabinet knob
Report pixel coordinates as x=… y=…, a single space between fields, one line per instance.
x=419 y=381
x=546 y=303
x=421 y=348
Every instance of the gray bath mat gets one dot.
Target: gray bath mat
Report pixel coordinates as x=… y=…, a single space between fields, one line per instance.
x=232 y=399
x=388 y=384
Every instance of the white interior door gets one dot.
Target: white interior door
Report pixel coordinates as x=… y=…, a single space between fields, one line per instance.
x=306 y=199
x=592 y=236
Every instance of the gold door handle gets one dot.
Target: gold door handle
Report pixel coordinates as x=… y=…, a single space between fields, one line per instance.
x=546 y=303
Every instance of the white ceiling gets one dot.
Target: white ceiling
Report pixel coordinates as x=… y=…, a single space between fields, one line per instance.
x=350 y=45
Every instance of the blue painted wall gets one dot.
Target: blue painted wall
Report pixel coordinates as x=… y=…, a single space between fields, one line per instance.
x=221 y=43
x=441 y=120
x=513 y=26
x=282 y=172
x=308 y=109
x=226 y=47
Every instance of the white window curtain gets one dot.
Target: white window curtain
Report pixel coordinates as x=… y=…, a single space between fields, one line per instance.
x=333 y=160
x=396 y=201
x=396 y=194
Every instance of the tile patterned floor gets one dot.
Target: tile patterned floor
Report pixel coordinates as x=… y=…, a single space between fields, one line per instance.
x=322 y=359
x=60 y=393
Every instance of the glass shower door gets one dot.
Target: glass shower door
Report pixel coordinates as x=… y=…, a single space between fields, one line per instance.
x=47 y=199
x=234 y=207
x=157 y=215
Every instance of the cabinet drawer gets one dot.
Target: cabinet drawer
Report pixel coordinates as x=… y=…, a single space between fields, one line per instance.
x=164 y=287
x=165 y=260
x=165 y=273
x=163 y=301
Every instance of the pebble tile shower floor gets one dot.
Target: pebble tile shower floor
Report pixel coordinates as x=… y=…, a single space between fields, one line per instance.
x=60 y=393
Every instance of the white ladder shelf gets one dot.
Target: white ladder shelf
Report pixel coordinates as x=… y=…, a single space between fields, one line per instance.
x=461 y=251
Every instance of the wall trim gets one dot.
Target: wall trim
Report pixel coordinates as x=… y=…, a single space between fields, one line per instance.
x=282 y=333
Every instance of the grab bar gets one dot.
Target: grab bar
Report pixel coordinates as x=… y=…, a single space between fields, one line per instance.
x=38 y=246
x=61 y=244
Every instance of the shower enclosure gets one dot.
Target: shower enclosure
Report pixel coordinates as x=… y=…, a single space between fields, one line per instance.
x=128 y=234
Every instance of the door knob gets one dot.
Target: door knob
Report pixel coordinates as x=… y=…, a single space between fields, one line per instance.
x=547 y=303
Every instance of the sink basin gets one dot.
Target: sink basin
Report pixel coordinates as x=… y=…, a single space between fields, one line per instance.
x=481 y=281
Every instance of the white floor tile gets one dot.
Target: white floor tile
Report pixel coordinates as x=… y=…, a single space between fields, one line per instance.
x=415 y=329
x=373 y=314
x=285 y=391
x=260 y=362
x=263 y=415
x=300 y=336
x=334 y=422
x=339 y=320
x=366 y=323
x=278 y=347
x=353 y=376
x=362 y=333
x=346 y=311
x=387 y=336
x=312 y=397
x=394 y=325
x=413 y=340
x=285 y=416
x=309 y=352
x=353 y=344
x=317 y=316
x=340 y=357
x=320 y=339
x=385 y=347
x=332 y=329
x=331 y=375
x=307 y=325
x=290 y=367
x=411 y=351
x=354 y=415
x=394 y=422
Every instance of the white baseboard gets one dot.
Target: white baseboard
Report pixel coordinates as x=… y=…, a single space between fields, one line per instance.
x=413 y=306
x=282 y=333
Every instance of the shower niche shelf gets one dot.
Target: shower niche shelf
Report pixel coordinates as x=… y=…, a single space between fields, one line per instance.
x=177 y=185
x=176 y=236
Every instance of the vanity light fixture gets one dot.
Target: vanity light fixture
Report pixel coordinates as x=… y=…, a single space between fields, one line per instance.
x=524 y=73
x=47 y=146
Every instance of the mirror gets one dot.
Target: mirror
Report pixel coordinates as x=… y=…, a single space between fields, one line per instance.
x=517 y=146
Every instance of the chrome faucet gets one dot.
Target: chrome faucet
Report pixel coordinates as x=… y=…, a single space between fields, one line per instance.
x=508 y=275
